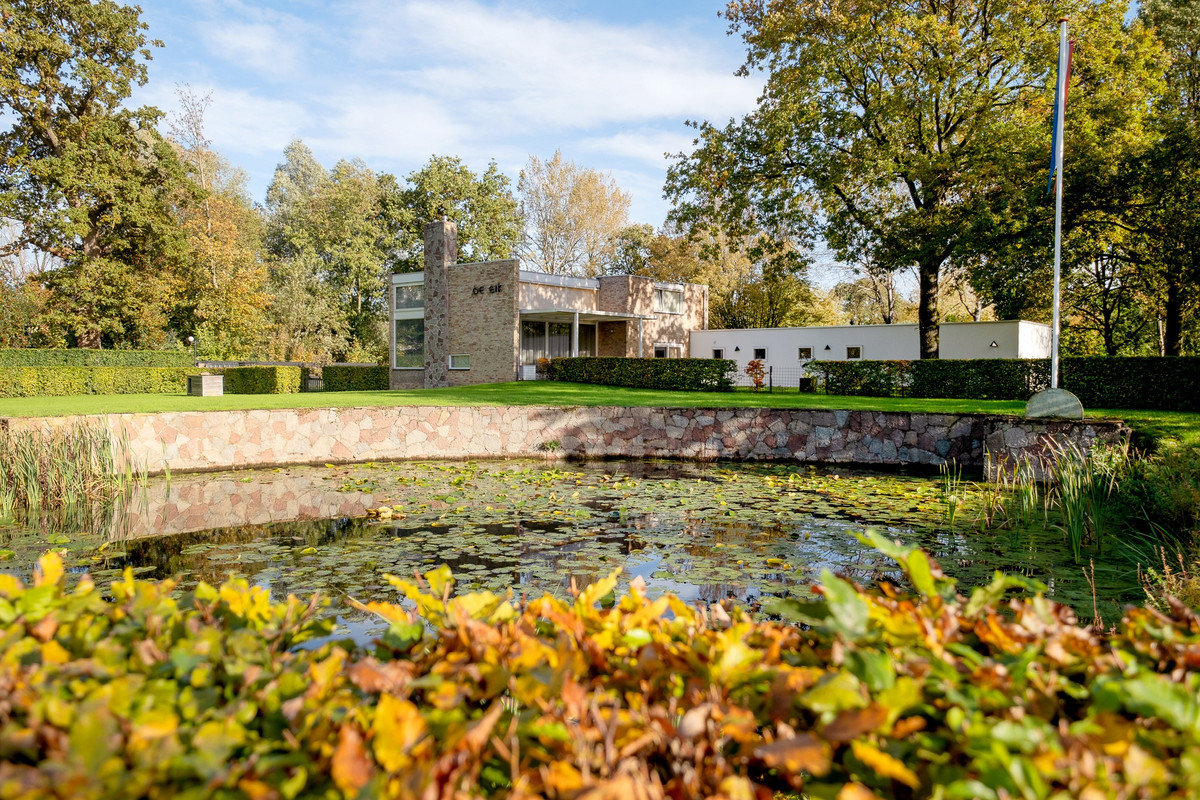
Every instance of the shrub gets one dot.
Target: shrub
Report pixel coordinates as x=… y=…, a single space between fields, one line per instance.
x=262 y=380
x=757 y=372
x=1167 y=384
x=354 y=378
x=979 y=378
x=56 y=381
x=881 y=693
x=83 y=357
x=682 y=374
x=866 y=378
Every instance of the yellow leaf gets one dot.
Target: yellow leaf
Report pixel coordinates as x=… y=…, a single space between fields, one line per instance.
x=397 y=728
x=884 y=765
x=563 y=778
x=49 y=570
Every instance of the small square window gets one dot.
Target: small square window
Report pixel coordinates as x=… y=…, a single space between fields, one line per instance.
x=718 y=353
x=853 y=352
x=805 y=353
x=760 y=353
x=460 y=362
x=660 y=352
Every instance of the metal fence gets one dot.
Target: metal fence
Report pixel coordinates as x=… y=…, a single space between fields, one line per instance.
x=779 y=379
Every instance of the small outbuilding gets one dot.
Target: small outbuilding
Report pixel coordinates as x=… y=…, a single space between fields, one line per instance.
x=786 y=351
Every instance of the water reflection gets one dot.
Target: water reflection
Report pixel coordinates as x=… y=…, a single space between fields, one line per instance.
x=703 y=532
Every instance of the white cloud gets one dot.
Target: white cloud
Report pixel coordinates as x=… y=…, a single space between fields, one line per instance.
x=649 y=146
x=260 y=47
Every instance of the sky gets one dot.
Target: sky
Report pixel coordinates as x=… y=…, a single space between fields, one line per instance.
x=610 y=83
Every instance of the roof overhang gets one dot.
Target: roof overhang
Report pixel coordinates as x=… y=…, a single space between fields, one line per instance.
x=568 y=315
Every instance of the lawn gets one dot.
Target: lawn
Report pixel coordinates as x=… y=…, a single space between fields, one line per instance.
x=1184 y=427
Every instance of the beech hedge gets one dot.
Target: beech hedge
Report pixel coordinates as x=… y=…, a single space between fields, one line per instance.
x=84 y=357
x=1167 y=384
x=683 y=374
x=883 y=693
x=262 y=380
x=354 y=378
x=56 y=381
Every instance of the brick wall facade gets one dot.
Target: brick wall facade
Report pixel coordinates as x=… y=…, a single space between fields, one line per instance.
x=483 y=304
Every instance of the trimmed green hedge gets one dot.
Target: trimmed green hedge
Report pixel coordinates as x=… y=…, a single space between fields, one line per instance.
x=681 y=374
x=980 y=379
x=59 y=381
x=262 y=380
x=864 y=378
x=1166 y=384
x=83 y=357
x=338 y=378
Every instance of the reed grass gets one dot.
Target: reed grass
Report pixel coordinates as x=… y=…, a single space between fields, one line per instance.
x=63 y=467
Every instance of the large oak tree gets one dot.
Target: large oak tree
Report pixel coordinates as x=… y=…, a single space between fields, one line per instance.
x=87 y=178
x=905 y=123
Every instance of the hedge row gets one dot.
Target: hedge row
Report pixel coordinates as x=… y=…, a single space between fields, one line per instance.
x=338 y=378
x=83 y=357
x=262 y=380
x=880 y=694
x=1169 y=384
x=57 y=381
x=685 y=374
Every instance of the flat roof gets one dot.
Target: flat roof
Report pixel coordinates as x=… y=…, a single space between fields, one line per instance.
x=568 y=314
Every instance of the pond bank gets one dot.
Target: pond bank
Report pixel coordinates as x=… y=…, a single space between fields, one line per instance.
x=216 y=440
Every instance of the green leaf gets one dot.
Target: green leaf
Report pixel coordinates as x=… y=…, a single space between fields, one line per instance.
x=848 y=611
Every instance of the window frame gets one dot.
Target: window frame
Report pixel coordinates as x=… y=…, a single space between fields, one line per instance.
x=858 y=357
x=459 y=367
x=758 y=350
x=800 y=353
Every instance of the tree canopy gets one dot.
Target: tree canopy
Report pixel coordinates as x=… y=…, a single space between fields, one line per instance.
x=899 y=127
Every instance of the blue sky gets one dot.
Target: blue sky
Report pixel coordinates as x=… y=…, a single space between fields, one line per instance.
x=609 y=82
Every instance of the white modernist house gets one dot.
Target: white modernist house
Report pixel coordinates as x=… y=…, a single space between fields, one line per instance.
x=787 y=350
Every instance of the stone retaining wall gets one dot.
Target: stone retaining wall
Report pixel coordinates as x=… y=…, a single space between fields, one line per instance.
x=188 y=441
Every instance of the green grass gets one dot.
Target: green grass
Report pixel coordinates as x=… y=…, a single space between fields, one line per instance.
x=1184 y=427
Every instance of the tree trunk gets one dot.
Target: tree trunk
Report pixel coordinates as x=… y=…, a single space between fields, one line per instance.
x=1173 y=334
x=927 y=311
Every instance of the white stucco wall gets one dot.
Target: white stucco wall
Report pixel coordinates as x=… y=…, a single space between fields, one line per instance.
x=1013 y=338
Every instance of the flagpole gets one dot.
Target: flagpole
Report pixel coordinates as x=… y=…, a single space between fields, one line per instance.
x=1060 y=96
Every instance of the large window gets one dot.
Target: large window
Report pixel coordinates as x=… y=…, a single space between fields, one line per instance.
x=553 y=340
x=668 y=301
x=410 y=296
x=410 y=344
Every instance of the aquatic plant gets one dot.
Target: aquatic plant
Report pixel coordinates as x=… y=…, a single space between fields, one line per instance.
x=952 y=488
x=63 y=467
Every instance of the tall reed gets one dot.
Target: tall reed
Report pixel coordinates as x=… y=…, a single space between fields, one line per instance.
x=63 y=467
x=1082 y=484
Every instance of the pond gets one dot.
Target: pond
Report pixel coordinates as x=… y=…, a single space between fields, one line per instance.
x=705 y=532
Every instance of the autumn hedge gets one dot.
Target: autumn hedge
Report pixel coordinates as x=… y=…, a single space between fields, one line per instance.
x=882 y=694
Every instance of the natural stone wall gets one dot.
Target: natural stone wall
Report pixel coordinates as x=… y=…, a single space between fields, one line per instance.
x=184 y=441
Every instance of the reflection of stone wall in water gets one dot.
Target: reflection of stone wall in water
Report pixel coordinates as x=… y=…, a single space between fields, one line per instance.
x=202 y=502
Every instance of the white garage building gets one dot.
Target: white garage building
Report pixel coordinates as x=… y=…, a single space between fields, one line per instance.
x=785 y=351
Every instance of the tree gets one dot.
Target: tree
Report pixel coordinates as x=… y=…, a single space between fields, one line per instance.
x=1168 y=220
x=86 y=178
x=909 y=122
x=223 y=276
x=489 y=223
x=573 y=217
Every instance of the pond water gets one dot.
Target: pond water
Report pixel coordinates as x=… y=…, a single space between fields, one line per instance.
x=705 y=532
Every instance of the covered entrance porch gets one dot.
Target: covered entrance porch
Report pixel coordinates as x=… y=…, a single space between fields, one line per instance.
x=559 y=333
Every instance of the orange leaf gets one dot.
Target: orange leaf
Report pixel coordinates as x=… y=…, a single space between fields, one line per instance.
x=852 y=723
x=351 y=766
x=856 y=791
x=803 y=753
